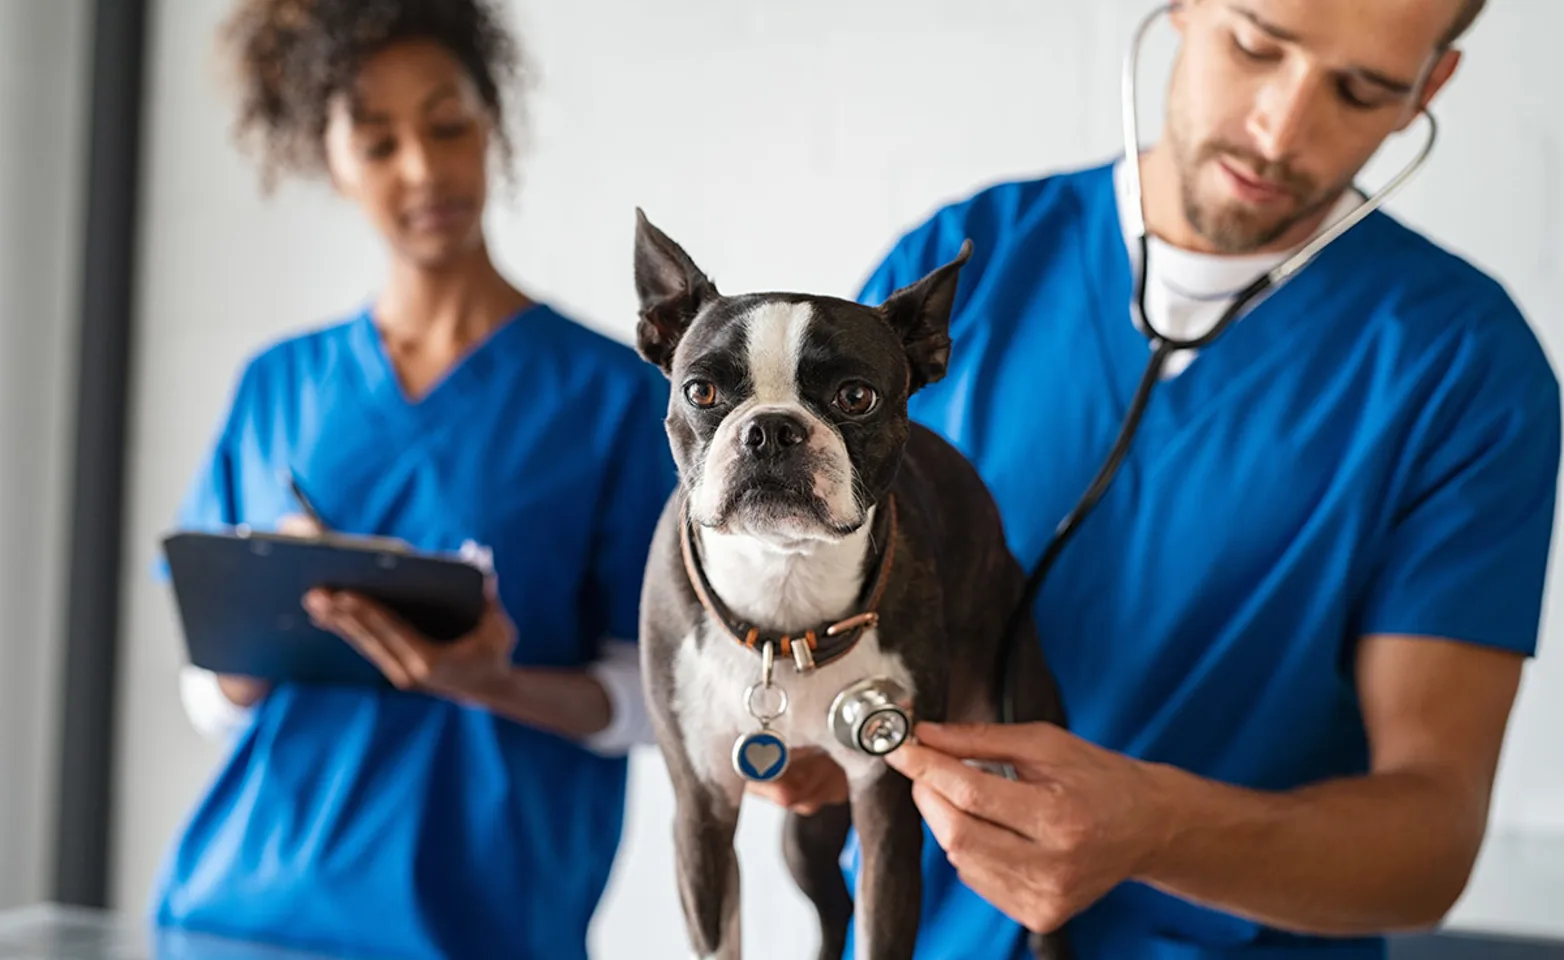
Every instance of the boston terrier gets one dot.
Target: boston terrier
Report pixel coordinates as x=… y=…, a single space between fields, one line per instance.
x=826 y=573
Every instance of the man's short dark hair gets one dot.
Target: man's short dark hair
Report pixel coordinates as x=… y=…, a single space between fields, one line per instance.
x=1463 y=22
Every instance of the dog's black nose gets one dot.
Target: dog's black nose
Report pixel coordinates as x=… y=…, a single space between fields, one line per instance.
x=772 y=433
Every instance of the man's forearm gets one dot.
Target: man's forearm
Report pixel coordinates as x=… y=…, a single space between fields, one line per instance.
x=1362 y=855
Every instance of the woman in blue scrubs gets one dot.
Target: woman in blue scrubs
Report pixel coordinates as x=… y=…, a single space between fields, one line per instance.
x=473 y=808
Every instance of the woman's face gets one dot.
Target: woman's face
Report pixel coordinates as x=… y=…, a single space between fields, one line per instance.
x=409 y=144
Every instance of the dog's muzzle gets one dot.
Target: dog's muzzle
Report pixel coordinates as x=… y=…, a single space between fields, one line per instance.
x=873 y=716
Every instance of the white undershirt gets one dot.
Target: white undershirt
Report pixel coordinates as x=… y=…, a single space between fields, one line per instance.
x=1186 y=292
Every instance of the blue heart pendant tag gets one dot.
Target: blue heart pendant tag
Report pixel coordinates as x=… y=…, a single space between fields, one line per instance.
x=760 y=757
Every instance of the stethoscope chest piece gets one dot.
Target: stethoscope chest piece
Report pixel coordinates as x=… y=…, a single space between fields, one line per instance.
x=873 y=716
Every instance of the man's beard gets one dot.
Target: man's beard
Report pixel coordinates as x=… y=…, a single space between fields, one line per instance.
x=1233 y=228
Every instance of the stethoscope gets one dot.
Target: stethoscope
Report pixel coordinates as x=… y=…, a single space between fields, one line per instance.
x=1163 y=347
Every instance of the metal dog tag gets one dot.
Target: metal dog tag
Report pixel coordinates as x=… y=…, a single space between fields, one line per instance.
x=762 y=756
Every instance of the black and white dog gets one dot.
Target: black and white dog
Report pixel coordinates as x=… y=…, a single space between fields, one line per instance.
x=819 y=542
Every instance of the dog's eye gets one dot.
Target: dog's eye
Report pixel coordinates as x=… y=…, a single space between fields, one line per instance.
x=855 y=399
x=701 y=393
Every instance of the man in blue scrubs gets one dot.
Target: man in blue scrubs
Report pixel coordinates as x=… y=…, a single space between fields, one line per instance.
x=1290 y=635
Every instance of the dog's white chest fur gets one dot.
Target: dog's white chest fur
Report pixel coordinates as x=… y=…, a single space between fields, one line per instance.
x=788 y=590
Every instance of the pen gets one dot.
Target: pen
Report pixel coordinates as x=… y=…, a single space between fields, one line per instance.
x=304 y=502
x=385 y=544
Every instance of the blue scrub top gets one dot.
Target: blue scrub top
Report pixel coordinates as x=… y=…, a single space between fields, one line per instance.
x=1373 y=449
x=390 y=824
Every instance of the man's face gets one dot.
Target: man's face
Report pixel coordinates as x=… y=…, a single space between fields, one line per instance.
x=1275 y=105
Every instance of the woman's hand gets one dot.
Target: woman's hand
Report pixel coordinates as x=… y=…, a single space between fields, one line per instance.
x=248 y=691
x=296 y=525
x=475 y=669
x=243 y=691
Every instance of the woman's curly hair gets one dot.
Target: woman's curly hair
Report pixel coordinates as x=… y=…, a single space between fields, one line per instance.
x=294 y=56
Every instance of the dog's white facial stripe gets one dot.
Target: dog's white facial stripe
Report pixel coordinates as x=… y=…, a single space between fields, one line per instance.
x=773 y=339
x=775 y=335
x=774 y=343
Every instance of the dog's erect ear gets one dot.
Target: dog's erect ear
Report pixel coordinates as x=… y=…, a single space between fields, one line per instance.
x=671 y=289
x=920 y=315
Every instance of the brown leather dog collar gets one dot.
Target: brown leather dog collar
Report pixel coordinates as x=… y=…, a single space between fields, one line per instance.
x=817 y=646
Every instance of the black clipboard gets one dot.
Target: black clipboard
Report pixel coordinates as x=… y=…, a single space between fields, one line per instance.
x=240 y=598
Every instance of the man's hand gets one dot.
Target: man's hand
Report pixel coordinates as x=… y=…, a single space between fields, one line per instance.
x=1387 y=850
x=1080 y=820
x=812 y=781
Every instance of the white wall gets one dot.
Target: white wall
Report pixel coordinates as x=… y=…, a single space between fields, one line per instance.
x=785 y=145
x=42 y=73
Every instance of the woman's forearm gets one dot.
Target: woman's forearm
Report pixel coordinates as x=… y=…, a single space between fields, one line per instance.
x=571 y=703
